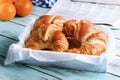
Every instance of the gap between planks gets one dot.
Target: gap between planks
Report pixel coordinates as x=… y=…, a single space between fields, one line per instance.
x=17 y=23
x=9 y=37
x=20 y=23
x=113 y=74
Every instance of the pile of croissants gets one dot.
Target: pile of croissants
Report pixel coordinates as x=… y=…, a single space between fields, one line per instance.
x=57 y=34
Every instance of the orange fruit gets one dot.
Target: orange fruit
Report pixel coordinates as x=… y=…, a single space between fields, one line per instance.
x=7 y=11
x=23 y=7
x=13 y=1
x=2 y=1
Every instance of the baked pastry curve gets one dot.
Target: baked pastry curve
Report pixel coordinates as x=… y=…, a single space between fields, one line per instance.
x=44 y=19
x=93 y=41
x=47 y=34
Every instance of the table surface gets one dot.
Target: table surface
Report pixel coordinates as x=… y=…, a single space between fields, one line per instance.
x=9 y=32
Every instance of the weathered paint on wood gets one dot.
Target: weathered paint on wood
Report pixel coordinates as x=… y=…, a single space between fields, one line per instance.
x=117 y=50
x=39 y=10
x=10 y=28
x=5 y=43
x=24 y=20
x=76 y=75
x=114 y=66
x=116 y=33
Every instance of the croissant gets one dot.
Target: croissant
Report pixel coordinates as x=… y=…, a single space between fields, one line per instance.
x=47 y=34
x=92 y=40
x=58 y=20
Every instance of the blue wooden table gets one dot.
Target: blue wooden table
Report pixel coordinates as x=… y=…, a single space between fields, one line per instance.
x=9 y=32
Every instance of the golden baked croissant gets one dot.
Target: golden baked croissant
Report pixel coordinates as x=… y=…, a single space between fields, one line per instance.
x=47 y=34
x=58 y=20
x=93 y=41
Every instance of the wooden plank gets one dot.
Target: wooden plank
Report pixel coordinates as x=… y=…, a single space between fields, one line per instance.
x=19 y=72
x=114 y=66
x=67 y=74
x=116 y=33
x=117 y=43
x=4 y=45
x=24 y=21
x=39 y=10
x=64 y=74
x=11 y=29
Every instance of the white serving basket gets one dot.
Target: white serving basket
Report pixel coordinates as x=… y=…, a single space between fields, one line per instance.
x=18 y=53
